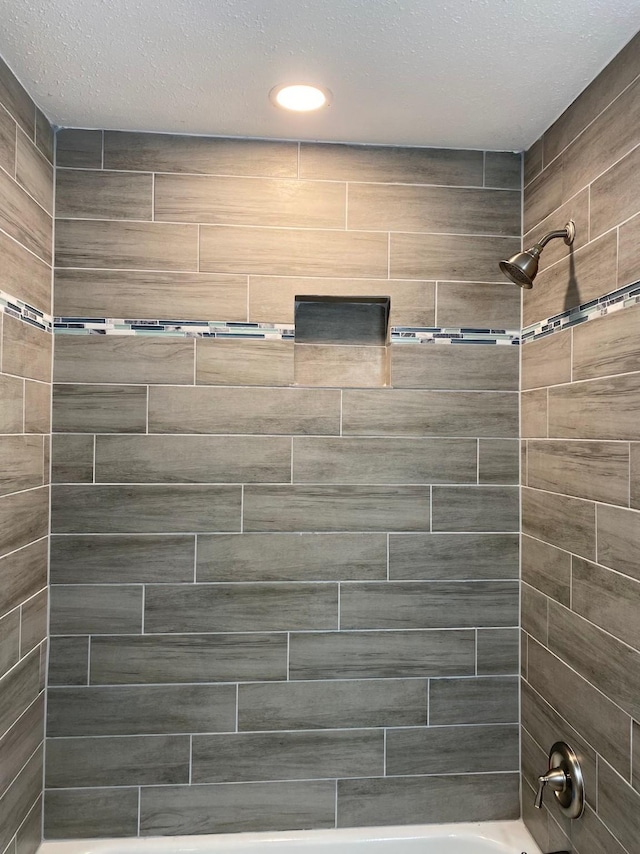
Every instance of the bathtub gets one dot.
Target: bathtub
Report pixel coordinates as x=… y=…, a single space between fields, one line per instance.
x=499 y=837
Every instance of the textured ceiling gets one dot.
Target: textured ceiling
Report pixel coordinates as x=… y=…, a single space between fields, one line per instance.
x=466 y=73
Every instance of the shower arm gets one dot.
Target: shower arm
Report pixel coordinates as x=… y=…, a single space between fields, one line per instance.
x=567 y=234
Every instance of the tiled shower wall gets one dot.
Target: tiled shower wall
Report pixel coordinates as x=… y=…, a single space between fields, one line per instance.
x=581 y=469
x=26 y=197
x=277 y=606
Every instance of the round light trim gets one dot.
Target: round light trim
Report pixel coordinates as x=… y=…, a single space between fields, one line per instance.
x=300 y=97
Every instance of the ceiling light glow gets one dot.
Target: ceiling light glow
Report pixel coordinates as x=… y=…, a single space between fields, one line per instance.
x=302 y=98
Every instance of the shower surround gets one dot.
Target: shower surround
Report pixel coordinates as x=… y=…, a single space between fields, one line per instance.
x=278 y=606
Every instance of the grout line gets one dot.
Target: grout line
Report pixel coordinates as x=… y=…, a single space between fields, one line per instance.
x=195 y=558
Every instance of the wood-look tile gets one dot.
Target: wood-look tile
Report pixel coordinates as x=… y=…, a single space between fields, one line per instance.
x=576 y=209
x=618 y=538
x=34 y=628
x=533 y=613
x=44 y=136
x=68 y=661
x=16 y=100
x=503 y=169
x=131 y=761
x=609 y=346
x=477 y=305
x=532 y=161
x=23 y=518
x=20 y=687
x=150 y=295
x=20 y=742
x=607 y=599
x=126 y=245
x=618 y=804
x=382 y=655
x=11 y=404
x=485 y=700
x=467 y=368
x=533 y=413
x=37 y=407
x=547 y=361
x=475 y=508
x=435 y=210
x=244 y=410
x=598 y=409
x=440 y=557
x=399 y=412
x=141 y=710
x=245 y=757
x=332 y=508
x=498 y=461
x=118 y=559
x=22 y=574
x=441 y=256
x=78 y=609
x=590 y=834
x=34 y=172
x=543 y=194
x=324 y=704
x=9 y=640
x=71 y=458
x=21 y=463
x=78 y=813
x=272 y=298
x=237 y=608
x=90 y=194
x=26 y=350
x=635 y=768
x=23 y=275
x=24 y=220
x=28 y=839
x=452 y=750
x=565 y=522
x=598 y=471
x=250 y=201
x=342 y=366
x=188 y=658
x=585 y=274
x=123 y=359
x=284 y=252
x=383 y=164
x=629 y=252
x=233 y=808
x=408 y=800
x=157 y=152
x=99 y=408
x=192 y=459
x=428 y=605
x=535 y=757
x=291 y=557
x=614 y=195
x=345 y=460
x=17 y=802
x=79 y=149
x=546 y=568
x=241 y=363
x=155 y=509
x=7 y=142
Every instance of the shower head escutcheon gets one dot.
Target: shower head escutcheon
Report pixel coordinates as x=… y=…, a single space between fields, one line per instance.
x=522 y=268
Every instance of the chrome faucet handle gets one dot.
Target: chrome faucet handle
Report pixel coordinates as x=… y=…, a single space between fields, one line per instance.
x=556 y=779
x=564 y=778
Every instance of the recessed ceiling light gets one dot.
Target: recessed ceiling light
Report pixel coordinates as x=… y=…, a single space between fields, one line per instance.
x=301 y=97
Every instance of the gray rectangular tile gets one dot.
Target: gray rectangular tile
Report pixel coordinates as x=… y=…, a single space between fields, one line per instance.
x=123 y=359
x=598 y=409
x=533 y=613
x=475 y=508
x=291 y=557
x=442 y=256
x=590 y=836
x=150 y=295
x=618 y=539
x=244 y=410
x=88 y=194
x=618 y=806
x=469 y=368
x=34 y=625
x=608 y=346
x=23 y=518
x=80 y=149
x=72 y=458
x=16 y=99
x=7 y=142
x=24 y=220
x=547 y=569
x=19 y=688
x=439 y=557
x=533 y=413
x=78 y=609
x=192 y=459
x=477 y=305
x=236 y=608
x=325 y=704
x=11 y=404
x=68 y=661
x=158 y=152
x=82 y=813
x=503 y=169
x=220 y=362
x=547 y=361
x=26 y=350
x=543 y=194
x=250 y=201
x=244 y=757
x=17 y=745
x=21 y=463
x=171 y=810
x=17 y=802
x=414 y=800
x=629 y=252
x=607 y=599
x=381 y=655
x=428 y=605
x=188 y=658
x=23 y=275
x=345 y=460
x=498 y=461
x=398 y=412
x=452 y=750
x=105 y=559
x=594 y=470
x=614 y=195
x=99 y=408
x=343 y=366
x=130 y=761
x=37 y=407
x=577 y=209
x=498 y=652
x=9 y=640
x=126 y=245
x=635 y=759
x=435 y=210
x=384 y=164
x=154 y=509
x=140 y=710
x=44 y=137
x=282 y=252
x=565 y=522
x=34 y=172
x=332 y=508
x=486 y=700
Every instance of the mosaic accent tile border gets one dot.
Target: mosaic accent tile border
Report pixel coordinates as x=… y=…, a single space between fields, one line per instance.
x=25 y=312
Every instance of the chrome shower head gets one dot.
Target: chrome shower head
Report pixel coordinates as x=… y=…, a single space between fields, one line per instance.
x=522 y=268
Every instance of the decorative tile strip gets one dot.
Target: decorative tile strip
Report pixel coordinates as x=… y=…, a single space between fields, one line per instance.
x=25 y=312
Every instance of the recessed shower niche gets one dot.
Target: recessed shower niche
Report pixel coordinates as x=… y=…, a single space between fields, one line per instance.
x=342 y=341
